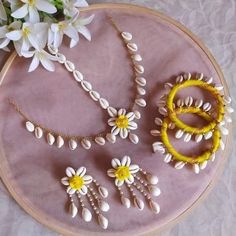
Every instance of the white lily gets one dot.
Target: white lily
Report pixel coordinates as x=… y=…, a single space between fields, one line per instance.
x=71 y=6
x=30 y=9
x=3 y=15
x=4 y=40
x=58 y=30
x=40 y=57
x=30 y=35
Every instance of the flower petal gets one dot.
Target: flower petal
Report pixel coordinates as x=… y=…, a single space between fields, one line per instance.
x=3 y=14
x=72 y=191
x=47 y=64
x=71 y=33
x=45 y=6
x=83 y=190
x=4 y=42
x=84 y=31
x=34 y=64
x=87 y=179
x=133 y=168
x=80 y=3
x=112 y=122
x=115 y=130
x=115 y=163
x=121 y=112
x=86 y=21
x=111 y=173
x=65 y=181
x=123 y=133
x=132 y=125
x=14 y=35
x=130 y=116
x=119 y=183
x=33 y=15
x=126 y=161
x=20 y=12
x=70 y=171
x=130 y=180
x=81 y=171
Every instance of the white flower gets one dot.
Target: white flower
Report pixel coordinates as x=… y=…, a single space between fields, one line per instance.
x=3 y=15
x=76 y=180
x=71 y=6
x=123 y=171
x=30 y=35
x=42 y=57
x=122 y=123
x=30 y=9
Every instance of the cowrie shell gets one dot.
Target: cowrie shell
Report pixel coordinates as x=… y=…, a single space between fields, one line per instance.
x=126 y=36
x=59 y=141
x=167 y=158
x=139 y=69
x=133 y=138
x=137 y=115
x=53 y=50
x=86 y=214
x=73 y=210
x=200 y=76
x=140 y=102
x=78 y=75
x=155 y=132
x=112 y=111
x=100 y=140
x=29 y=126
x=209 y=80
x=125 y=201
x=179 y=165
x=61 y=58
x=207 y=106
x=198 y=138
x=72 y=144
x=141 y=91
x=50 y=139
x=136 y=57
x=187 y=76
x=227 y=99
x=103 y=191
x=103 y=221
x=104 y=103
x=38 y=132
x=180 y=102
x=158 y=121
x=111 y=138
x=132 y=47
x=162 y=111
x=154 y=207
x=139 y=203
x=198 y=103
x=140 y=81
x=188 y=101
x=86 y=144
x=94 y=95
x=187 y=137
x=179 y=133
x=86 y=85
x=69 y=66
x=196 y=168
x=203 y=165
x=179 y=79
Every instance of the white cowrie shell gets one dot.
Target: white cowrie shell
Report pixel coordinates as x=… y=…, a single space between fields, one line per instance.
x=111 y=138
x=104 y=206
x=86 y=144
x=167 y=158
x=179 y=79
x=168 y=86
x=227 y=99
x=187 y=137
x=213 y=157
x=155 y=132
x=29 y=126
x=229 y=109
x=180 y=102
x=69 y=66
x=138 y=203
x=86 y=85
x=200 y=76
x=112 y=111
x=158 y=121
x=219 y=87
x=155 y=191
x=179 y=165
x=223 y=130
x=86 y=215
x=162 y=111
x=50 y=139
x=100 y=140
x=136 y=57
x=126 y=36
x=171 y=125
x=157 y=146
x=125 y=201
x=198 y=138
x=94 y=95
x=133 y=138
x=103 y=221
x=53 y=50
x=179 y=133
x=72 y=144
x=59 y=141
x=154 y=207
x=141 y=81
x=198 y=103
x=152 y=179
x=228 y=119
x=61 y=58
x=222 y=145
x=209 y=80
x=203 y=165
x=73 y=210
x=139 y=69
x=187 y=76
x=78 y=75
x=188 y=101
x=104 y=103
x=140 y=102
x=103 y=191
x=141 y=91
x=38 y=132
x=132 y=47
x=207 y=107
x=196 y=168
x=137 y=115
x=208 y=135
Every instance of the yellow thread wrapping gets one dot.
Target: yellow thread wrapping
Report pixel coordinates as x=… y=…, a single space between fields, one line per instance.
x=178 y=156
x=173 y=115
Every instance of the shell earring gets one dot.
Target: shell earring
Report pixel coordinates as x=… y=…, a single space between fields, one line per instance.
x=137 y=182
x=82 y=189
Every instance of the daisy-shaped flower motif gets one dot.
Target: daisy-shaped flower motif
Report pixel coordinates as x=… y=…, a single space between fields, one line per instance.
x=76 y=180
x=122 y=122
x=122 y=171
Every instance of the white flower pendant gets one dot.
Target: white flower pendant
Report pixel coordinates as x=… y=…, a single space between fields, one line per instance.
x=78 y=183
x=122 y=124
x=137 y=181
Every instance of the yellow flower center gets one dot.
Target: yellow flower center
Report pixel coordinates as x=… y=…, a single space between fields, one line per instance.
x=122 y=122
x=76 y=182
x=31 y=2
x=61 y=25
x=26 y=31
x=122 y=173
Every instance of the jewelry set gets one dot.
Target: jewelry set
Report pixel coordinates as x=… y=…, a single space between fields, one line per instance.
x=135 y=185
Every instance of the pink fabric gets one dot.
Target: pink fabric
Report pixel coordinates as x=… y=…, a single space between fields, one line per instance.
x=56 y=101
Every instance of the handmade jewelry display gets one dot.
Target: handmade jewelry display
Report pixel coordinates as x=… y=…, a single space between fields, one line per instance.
x=121 y=121
x=80 y=184
x=216 y=117
x=136 y=180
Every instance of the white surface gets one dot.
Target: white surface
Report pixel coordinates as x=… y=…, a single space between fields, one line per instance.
x=214 y=22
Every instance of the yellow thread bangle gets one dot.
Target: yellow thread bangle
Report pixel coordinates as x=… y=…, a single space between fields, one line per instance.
x=173 y=115
x=178 y=156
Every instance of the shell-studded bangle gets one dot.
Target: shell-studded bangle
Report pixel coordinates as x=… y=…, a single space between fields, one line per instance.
x=173 y=115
